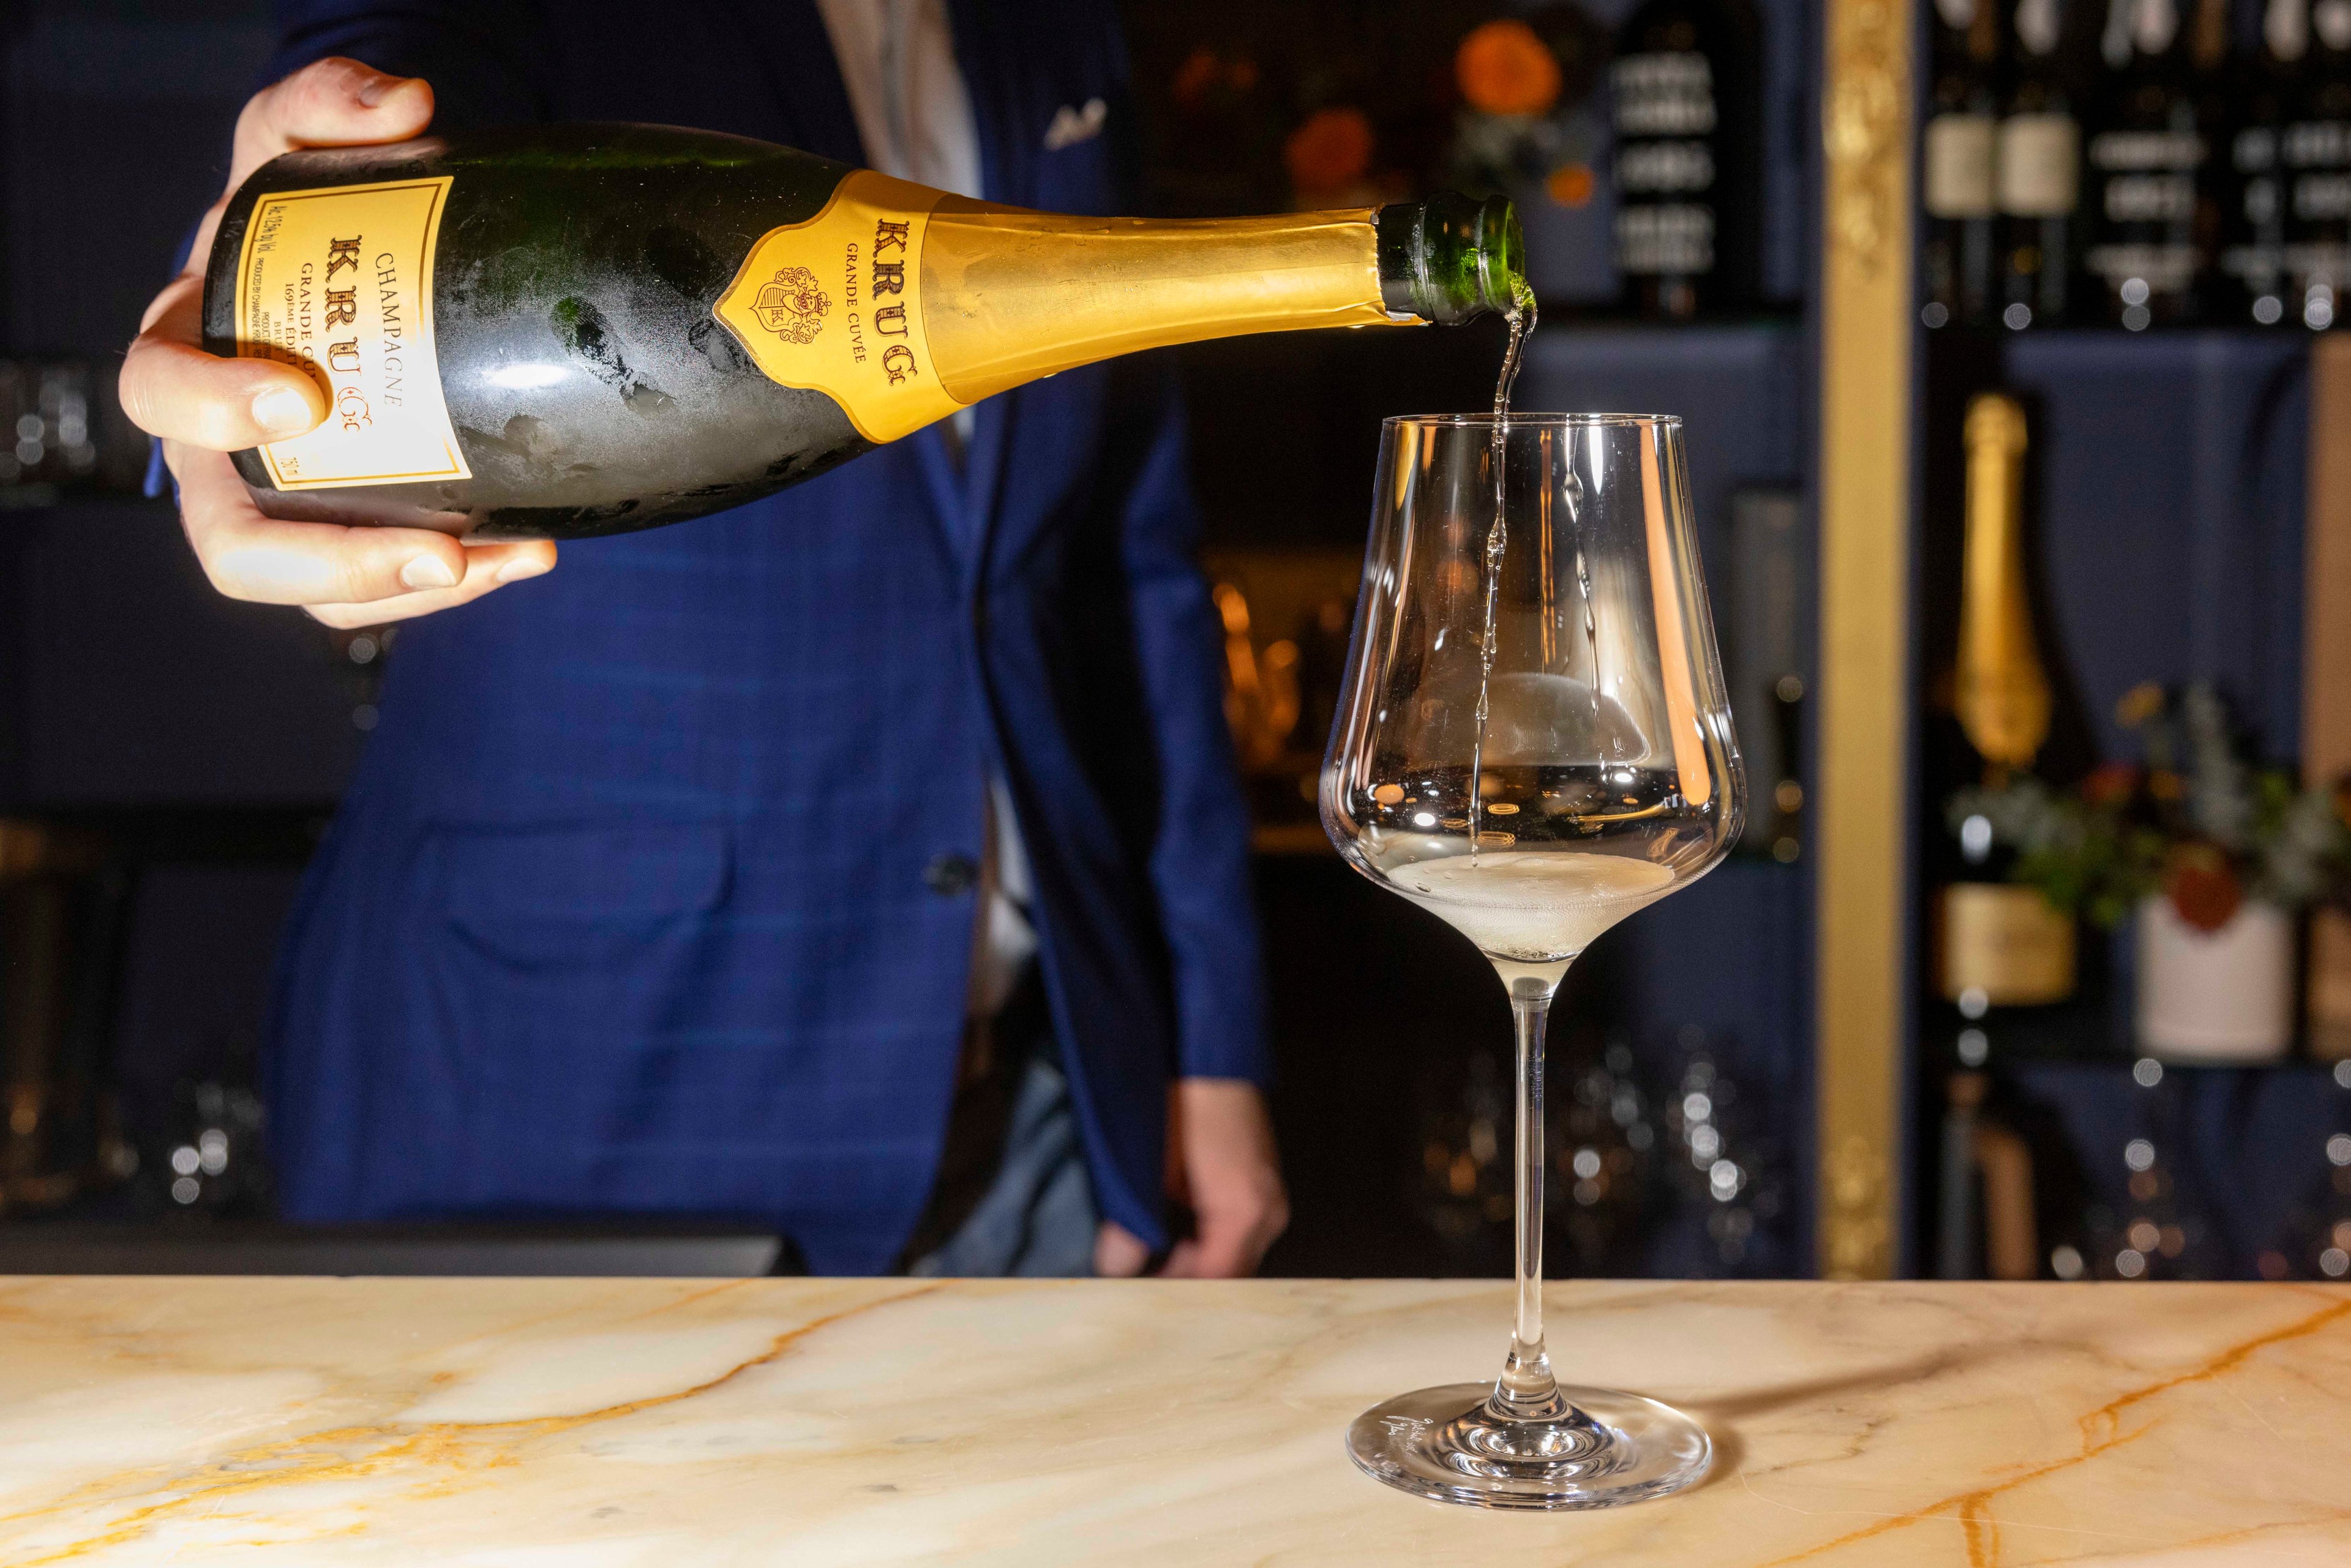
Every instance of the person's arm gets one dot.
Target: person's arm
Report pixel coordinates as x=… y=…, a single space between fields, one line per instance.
x=204 y=407
x=1222 y=1163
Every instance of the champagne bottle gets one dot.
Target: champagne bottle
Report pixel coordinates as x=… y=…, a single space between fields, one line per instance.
x=2316 y=152
x=2038 y=172
x=2253 y=280
x=2149 y=191
x=1687 y=120
x=1959 y=188
x=556 y=332
x=2002 y=943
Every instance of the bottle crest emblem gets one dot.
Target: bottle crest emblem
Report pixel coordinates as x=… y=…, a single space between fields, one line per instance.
x=791 y=306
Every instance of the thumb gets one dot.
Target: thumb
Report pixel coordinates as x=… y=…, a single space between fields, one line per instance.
x=172 y=388
x=1221 y=1247
x=1119 y=1253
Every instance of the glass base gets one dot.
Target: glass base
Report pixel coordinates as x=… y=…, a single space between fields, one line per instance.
x=1610 y=1449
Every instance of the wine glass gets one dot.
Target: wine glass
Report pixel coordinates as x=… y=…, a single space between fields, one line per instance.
x=1532 y=743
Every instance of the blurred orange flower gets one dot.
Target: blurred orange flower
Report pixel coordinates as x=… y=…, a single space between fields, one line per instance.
x=2110 y=783
x=1203 y=71
x=2138 y=704
x=1195 y=78
x=2203 y=886
x=1503 y=68
x=1571 y=185
x=1331 y=152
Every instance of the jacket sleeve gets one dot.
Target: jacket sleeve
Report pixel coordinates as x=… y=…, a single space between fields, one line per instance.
x=478 y=56
x=1200 y=855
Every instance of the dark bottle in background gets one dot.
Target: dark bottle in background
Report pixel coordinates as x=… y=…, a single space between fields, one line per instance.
x=2153 y=213
x=2316 y=158
x=1688 y=94
x=1957 y=182
x=2038 y=169
x=2252 y=283
x=2216 y=90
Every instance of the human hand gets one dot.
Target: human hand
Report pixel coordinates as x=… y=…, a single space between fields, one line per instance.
x=204 y=407
x=1221 y=1164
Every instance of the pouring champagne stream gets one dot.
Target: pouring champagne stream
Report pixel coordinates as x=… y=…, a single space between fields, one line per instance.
x=1557 y=674
x=1521 y=318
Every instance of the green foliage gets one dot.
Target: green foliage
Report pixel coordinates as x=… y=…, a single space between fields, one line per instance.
x=2199 y=821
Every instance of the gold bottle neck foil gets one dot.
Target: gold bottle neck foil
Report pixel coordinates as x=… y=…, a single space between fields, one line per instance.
x=1009 y=296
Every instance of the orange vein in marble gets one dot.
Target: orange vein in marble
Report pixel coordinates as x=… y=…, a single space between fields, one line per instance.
x=688 y=1299
x=449 y=1444
x=2228 y=1361
x=1981 y=1528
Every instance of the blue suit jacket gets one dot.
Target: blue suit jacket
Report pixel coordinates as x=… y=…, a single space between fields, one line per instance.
x=626 y=910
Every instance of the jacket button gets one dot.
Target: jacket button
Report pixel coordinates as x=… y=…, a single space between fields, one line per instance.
x=949 y=876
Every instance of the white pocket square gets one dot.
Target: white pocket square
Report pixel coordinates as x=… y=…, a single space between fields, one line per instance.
x=1071 y=126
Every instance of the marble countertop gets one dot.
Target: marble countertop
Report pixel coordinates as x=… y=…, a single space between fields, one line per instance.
x=609 y=1424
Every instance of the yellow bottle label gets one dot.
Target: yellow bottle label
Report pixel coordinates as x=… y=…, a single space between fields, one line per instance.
x=834 y=305
x=339 y=283
x=2006 y=941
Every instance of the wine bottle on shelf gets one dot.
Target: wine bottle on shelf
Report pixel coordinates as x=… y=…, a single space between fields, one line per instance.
x=2002 y=942
x=1688 y=95
x=577 y=330
x=2217 y=106
x=2252 y=281
x=2153 y=209
x=2314 y=155
x=1958 y=185
x=2037 y=170
x=1985 y=1225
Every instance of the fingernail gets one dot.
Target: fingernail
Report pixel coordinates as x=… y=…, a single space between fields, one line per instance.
x=282 y=410
x=521 y=570
x=428 y=571
x=371 y=91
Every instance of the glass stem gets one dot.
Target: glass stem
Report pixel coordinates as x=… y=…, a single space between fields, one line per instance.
x=1526 y=1390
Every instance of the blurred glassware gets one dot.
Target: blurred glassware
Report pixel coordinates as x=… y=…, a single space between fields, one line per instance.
x=64 y=901
x=2155 y=1231
x=1725 y=1172
x=212 y=1163
x=1765 y=655
x=1600 y=1147
x=1285 y=616
x=1602 y=1186
x=61 y=432
x=1466 y=1175
x=360 y=656
x=1261 y=689
x=2315 y=1240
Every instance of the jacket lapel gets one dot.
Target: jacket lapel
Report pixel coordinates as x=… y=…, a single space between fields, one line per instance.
x=797 y=53
x=989 y=44
x=994 y=49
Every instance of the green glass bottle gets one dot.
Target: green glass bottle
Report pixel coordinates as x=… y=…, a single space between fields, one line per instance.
x=557 y=331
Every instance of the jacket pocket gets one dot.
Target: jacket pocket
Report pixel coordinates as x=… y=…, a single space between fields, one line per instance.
x=571 y=896
x=569 y=973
